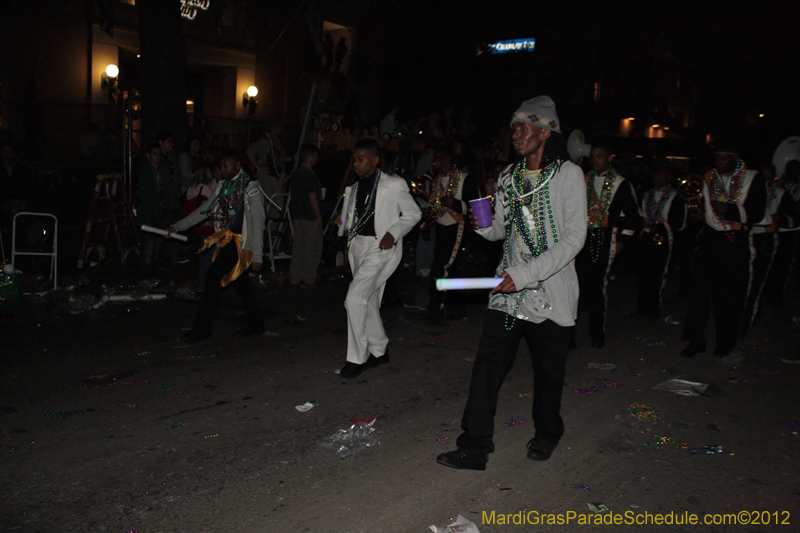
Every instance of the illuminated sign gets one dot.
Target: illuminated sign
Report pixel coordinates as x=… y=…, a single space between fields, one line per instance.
x=189 y=8
x=505 y=47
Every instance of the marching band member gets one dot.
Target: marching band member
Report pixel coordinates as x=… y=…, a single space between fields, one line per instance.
x=664 y=214
x=447 y=209
x=613 y=217
x=734 y=197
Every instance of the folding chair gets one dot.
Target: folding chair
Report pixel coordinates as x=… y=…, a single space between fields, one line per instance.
x=53 y=254
x=274 y=240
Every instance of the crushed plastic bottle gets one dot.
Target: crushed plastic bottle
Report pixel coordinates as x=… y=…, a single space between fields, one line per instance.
x=349 y=443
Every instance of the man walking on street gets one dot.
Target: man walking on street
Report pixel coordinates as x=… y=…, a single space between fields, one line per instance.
x=540 y=214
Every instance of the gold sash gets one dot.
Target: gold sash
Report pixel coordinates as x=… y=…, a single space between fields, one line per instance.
x=221 y=238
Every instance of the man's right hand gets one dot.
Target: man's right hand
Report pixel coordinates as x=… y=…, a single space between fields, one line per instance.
x=474 y=220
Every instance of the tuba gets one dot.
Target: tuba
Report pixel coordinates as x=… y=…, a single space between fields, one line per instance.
x=690 y=188
x=788 y=149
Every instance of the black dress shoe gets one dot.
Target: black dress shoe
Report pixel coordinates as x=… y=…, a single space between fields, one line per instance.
x=694 y=348
x=250 y=330
x=463 y=459
x=540 y=449
x=351 y=370
x=373 y=361
x=193 y=336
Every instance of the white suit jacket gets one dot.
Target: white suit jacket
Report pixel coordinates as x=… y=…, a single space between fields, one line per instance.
x=396 y=212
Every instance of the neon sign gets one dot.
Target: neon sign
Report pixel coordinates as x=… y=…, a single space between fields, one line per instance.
x=505 y=47
x=189 y=8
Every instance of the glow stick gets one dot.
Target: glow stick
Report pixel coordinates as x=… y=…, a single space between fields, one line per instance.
x=458 y=284
x=159 y=231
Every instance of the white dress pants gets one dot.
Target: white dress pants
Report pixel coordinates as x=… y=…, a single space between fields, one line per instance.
x=371 y=268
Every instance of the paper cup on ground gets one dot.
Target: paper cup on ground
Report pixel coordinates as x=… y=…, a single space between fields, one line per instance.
x=482 y=209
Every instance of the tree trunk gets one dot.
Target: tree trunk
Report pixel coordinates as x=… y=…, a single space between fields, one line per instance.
x=163 y=69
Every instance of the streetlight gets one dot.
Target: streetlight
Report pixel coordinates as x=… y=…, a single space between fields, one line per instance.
x=108 y=82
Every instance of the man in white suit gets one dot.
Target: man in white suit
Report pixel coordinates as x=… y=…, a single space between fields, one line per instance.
x=377 y=212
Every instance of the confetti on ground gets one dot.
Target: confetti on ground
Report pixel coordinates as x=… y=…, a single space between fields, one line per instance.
x=710 y=449
x=665 y=462
x=174 y=426
x=127 y=405
x=584 y=487
x=515 y=420
x=597 y=507
x=659 y=441
x=591 y=390
x=211 y=436
x=610 y=383
x=643 y=411
x=129 y=382
x=650 y=341
x=179 y=394
x=163 y=387
x=442 y=439
x=526 y=395
x=433 y=341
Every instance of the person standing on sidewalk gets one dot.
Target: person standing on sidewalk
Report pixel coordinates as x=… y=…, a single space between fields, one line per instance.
x=306 y=219
x=540 y=214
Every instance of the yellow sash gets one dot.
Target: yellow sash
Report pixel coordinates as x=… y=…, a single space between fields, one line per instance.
x=223 y=237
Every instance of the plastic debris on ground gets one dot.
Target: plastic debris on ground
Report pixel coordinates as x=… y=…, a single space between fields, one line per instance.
x=683 y=387
x=350 y=442
x=304 y=408
x=597 y=507
x=460 y=525
x=602 y=366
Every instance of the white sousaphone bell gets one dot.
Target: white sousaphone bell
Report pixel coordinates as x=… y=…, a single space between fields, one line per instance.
x=577 y=147
x=788 y=149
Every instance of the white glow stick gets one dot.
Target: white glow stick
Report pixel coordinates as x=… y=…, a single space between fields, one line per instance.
x=159 y=231
x=458 y=284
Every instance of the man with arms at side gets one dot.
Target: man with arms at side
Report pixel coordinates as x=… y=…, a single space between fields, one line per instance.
x=306 y=220
x=540 y=214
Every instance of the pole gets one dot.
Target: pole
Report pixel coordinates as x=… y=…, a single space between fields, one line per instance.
x=305 y=126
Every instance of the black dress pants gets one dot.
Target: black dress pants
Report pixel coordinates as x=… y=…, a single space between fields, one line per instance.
x=763 y=244
x=224 y=263
x=652 y=264
x=548 y=343
x=593 y=279
x=720 y=274
x=446 y=237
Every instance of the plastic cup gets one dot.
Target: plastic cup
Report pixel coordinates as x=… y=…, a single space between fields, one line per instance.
x=482 y=209
x=322 y=191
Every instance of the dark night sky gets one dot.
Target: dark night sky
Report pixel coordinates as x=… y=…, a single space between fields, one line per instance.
x=733 y=60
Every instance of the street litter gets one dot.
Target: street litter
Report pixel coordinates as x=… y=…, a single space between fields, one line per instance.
x=590 y=390
x=734 y=359
x=650 y=341
x=49 y=413
x=514 y=420
x=461 y=525
x=643 y=411
x=597 y=507
x=683 y=387
x=790 y=361
x=710 y=449
x=350 y=442
x=584 y=487
x=133 y=297
x=433 y=341
x=610 y=383
x=306 y=407
x=442 y=439
x=670 y=321
x=602 y=366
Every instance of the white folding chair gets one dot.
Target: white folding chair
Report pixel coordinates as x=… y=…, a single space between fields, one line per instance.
x=53 y=254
